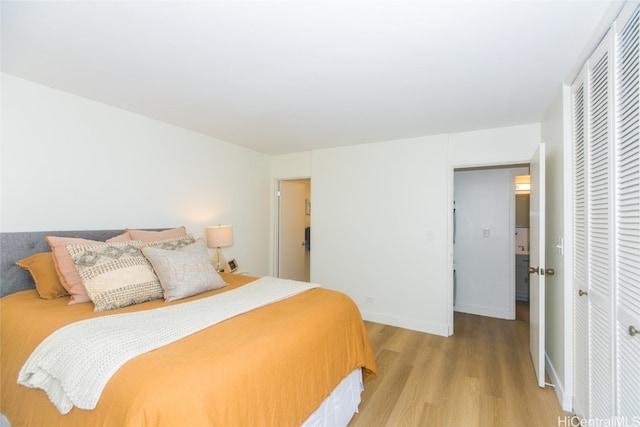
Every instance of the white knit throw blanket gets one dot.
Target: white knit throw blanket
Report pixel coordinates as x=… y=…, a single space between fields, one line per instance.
x=74 y=364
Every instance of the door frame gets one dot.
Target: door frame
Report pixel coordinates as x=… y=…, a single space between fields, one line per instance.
x=512 y=229
x=276 y=222
x=541 y=366
x=452 y=169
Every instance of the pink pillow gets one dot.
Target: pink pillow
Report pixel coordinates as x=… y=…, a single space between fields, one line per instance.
x=66 y=268
x=124 y=237
x=153 y=236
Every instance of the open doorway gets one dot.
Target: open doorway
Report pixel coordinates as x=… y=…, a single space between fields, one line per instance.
x=490 y=241
x=522 y=192
x=522 y=202
x=537 y=261
x=294 y=229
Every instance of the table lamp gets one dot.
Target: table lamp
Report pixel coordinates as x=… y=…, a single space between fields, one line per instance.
x=219 y=236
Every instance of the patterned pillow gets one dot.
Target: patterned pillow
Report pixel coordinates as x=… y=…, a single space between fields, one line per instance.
x=184 y=272
x=171 y=244
x=115 y=274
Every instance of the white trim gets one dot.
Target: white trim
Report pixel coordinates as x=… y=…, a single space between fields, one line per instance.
x=481 y=310
x=407 y=323
x=450 y=246
x=564 y=399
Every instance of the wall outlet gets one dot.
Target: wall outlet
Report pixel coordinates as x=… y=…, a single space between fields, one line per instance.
x=368 y=299
x=486 y=233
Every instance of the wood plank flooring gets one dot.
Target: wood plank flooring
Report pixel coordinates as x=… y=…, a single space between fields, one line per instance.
x=480 y=376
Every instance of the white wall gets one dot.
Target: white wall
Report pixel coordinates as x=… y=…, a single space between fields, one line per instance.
x=500 y=146
x=379 y=222
x=290 y=166
x=381 y=218
x=381 y=212
x=69 y=163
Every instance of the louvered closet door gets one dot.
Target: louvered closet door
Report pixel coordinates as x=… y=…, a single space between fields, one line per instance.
x=627 y=168
x=580 y=260
x=600 y=218
x=606 y=159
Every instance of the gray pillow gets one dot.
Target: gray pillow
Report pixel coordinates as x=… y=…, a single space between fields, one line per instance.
x=184 y=272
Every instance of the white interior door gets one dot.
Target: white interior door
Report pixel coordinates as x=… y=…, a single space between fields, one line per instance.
x=291 y=243
x=537 y=263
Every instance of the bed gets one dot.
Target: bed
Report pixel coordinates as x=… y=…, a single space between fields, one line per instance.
x=287 y=363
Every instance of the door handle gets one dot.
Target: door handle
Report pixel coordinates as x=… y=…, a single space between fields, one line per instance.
x=633 y=331
x=538 y=270
x=550 y=271
x=581 y=292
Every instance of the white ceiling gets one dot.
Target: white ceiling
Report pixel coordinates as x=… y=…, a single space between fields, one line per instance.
x=288 y=76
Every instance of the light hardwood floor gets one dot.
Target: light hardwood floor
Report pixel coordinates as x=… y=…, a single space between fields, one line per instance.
x=480 y=376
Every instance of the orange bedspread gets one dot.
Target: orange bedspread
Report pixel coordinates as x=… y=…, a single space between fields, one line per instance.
x=272 y=366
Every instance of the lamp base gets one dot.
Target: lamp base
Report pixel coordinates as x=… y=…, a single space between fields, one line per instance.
x=218 y=261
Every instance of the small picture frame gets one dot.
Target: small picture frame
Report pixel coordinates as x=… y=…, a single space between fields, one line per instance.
x=233 y=265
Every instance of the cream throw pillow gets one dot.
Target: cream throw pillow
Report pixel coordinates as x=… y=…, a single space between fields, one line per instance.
x=115 y=274
x=184 y=272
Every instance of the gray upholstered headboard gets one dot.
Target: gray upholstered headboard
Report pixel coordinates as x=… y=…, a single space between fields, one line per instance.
x=15 y=246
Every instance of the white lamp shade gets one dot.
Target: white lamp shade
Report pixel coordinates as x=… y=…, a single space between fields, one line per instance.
x=220 y=236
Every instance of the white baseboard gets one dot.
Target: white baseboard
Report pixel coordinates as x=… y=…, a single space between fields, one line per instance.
x=406 y=323
x=565 y=400
x=484 y=311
